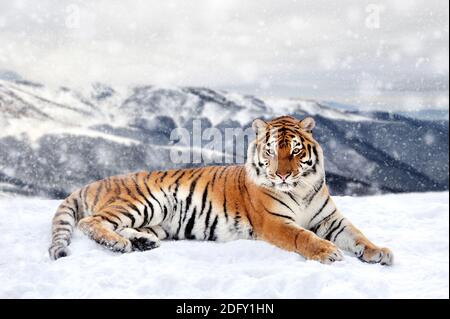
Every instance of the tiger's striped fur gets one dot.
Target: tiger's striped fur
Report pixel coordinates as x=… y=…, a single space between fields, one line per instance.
x=279 y=196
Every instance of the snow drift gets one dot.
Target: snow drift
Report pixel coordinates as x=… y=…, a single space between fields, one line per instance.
x=414 y=226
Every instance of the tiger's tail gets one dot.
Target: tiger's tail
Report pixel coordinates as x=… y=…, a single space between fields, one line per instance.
x=67 y=216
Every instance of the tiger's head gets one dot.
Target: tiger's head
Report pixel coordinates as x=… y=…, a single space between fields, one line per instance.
x=284 y=152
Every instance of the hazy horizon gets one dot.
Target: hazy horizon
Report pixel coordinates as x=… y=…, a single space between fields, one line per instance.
x=384 y=55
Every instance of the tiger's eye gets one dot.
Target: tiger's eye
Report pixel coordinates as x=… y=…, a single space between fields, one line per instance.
x=296 y=151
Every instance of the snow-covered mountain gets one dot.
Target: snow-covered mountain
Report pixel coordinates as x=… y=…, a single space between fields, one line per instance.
x=53 y=140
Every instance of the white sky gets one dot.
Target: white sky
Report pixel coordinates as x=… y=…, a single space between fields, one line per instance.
x=370 y=53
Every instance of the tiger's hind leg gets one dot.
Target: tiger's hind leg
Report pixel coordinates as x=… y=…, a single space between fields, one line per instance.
x=102 y=231
x=144 y=238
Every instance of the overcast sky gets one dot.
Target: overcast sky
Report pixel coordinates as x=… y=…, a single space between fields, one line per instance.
x=361 y=52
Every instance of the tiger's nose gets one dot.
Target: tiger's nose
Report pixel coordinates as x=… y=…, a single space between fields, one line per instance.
x=283 y=176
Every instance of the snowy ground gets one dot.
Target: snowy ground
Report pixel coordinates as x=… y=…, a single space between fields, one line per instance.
x=414 y=226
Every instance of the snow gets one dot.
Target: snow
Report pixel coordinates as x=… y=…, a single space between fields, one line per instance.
x=414 y=226
x=290 y=106
x=39 y=110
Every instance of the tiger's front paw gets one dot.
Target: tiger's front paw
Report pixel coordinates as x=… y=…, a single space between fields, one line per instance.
x=121 y=245
x=326 y=252
x=374 y=255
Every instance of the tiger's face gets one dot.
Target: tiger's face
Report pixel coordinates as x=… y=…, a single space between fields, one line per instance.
x=284 y=152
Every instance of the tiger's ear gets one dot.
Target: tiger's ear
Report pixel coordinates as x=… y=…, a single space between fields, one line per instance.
x=259 y=126
x=307 y=124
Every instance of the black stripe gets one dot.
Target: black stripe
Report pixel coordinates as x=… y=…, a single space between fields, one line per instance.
x=174 y=209
x=175 y=172
x=129 y=193
x=280 y=201
x=212 y=235
x=151 y=215
x=113 y=214
x=256 y=169
x=163 y=176
x=191 y=193
x=151 y=195
x=214 y=177
x=208 y=213
x=108 y=184
x=58 y=214
x=145 y=216
x=107 y=203
x=288 y=130
x=316 y=154
x=150 y=205
x=190 y=226
x=167 y=201
x=177 y=184
x=64 y=206
x=138 y=190
x=314 y=191
x=63 y=222
x=321 y=208
x=77 y=209
x=334 y=221
x=334 y=229
x=225 y=197
x=339 y=233
x=152 y=208
x=97 y=195
x=251 y=204
x=204 y=198
x=130 y=216
x=280 y=215
x=164 y=193
x=109 y=220
x=179 y=221
x=156 y=200
x=122 y=182
x=217 y=174
x=237 y=219
x=326 y=217
x=316 y=228
x=165 y=213
x=134 y=208
x=292 y=197
x=115 y=186
x=240 y=186
x=83 y=197
x=295 y=240
x=154 y=232
x=250 y=231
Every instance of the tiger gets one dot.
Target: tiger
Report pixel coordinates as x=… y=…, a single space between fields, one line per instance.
x=279 y=195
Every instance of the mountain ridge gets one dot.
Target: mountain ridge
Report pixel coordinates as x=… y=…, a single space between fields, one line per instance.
x=55 y=140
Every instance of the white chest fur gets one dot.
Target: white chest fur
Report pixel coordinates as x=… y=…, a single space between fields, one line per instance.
x=303 y=202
